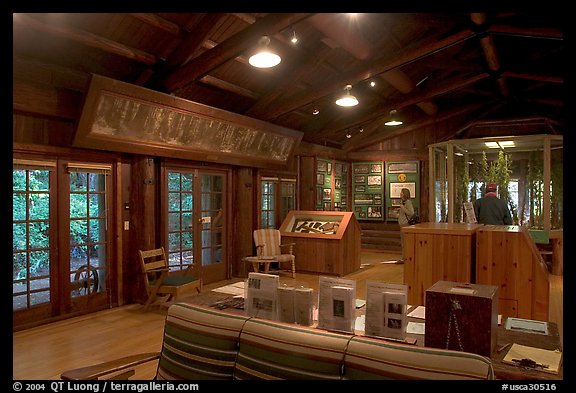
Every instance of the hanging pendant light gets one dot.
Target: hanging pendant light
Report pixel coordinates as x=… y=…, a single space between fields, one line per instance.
x=264 y=58
x=347 y=99
x=394 y=119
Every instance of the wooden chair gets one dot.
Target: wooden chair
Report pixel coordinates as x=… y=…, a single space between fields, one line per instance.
x=269 y=245
x=160 y=281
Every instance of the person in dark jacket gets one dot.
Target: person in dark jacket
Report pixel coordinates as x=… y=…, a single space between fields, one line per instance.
x=492 y=210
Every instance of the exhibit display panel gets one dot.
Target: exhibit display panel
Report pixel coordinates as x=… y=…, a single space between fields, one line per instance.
x=325 y=242
x=399 y=175
x=368 y=190
x=331 y=185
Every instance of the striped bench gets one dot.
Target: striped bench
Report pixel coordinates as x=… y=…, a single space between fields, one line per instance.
x=203 y=343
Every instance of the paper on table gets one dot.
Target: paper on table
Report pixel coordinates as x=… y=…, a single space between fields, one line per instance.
x=360 y=323
x=540 y=356
x=232 y=289
x=418 y=312
x=415 y=328
x=527 y=325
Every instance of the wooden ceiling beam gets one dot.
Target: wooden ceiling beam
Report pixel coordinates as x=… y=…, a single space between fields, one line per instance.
x=194 y=40
x=377 y=136
x=350 y=39
x=87 y=38
x=490 y=52
x=534 y=77
x=532 y=32
x=422 y=97
x=158 y=22
x=223 y=85
x=363 y=72
x=230 y=48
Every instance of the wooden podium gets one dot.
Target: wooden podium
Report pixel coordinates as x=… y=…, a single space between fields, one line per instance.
x=326 y=242
x=437 y=251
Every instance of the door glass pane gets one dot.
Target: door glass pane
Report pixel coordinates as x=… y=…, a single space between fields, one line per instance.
x=88 y=233
x=212 y=215
x=31 y=238
x=180 y=215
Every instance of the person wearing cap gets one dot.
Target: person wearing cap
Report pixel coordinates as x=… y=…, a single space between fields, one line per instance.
x=492 y=210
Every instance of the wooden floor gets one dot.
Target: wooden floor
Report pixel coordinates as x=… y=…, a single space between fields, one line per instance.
x=43 y=352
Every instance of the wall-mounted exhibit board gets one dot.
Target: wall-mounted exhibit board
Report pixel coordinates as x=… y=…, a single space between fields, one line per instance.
x=367 y=185
x=325 y=242
x=399 y=175
x=331 y=185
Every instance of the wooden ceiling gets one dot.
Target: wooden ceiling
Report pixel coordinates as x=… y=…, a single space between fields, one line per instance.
x=448 y=75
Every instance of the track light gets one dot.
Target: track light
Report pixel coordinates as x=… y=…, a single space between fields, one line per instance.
x=347 y=99
x=294 y=39
x=264 y=58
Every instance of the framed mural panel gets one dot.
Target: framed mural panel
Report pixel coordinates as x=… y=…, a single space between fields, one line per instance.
x=124 y=117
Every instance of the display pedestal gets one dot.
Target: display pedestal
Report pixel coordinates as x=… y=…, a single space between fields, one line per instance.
x=325 y=242
x=462 y=317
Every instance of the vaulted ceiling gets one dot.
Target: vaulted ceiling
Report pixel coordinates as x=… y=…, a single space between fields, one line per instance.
x=465 y=74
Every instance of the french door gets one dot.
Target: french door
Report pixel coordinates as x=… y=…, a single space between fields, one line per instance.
x=61 y=239
x=195 y=221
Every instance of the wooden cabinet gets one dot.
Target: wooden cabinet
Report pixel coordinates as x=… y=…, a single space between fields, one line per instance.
x=506 y=256
x=325 y=242
x=437 y=252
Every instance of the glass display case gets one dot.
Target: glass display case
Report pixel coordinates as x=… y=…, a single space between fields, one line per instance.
x=519 y=165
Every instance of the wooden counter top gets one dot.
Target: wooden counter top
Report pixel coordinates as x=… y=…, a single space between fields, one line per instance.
x=442 y=228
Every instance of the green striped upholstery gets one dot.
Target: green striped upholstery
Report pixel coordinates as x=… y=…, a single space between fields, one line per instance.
x=370 y=358
x=203 y=343
x=199 y=343
x=276 y=350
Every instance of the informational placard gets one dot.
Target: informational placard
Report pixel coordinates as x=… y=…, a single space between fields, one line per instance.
x=386 y=310
x=336 y=304
x=396 y=189
x=304 y=306
x=261 y=295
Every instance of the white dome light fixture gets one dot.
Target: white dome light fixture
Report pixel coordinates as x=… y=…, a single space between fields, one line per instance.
x=394 y=120
x=264 y=58
x=347 y=99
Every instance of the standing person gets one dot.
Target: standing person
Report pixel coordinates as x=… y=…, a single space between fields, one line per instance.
x=492 y=210
x=406 y=211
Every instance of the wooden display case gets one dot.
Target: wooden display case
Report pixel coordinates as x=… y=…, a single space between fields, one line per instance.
x=325 y=242
x=437 y=251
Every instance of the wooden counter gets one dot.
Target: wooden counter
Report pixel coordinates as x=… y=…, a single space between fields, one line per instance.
x=333 y=254
x=437 y=251
x=507 y=256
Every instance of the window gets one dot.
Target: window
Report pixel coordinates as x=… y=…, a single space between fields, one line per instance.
x=180 y=225
x=277 y=198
